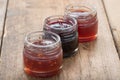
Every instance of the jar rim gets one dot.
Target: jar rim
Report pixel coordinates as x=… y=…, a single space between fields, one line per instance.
x=85 y=5
x=42 y=46
x=61 y=17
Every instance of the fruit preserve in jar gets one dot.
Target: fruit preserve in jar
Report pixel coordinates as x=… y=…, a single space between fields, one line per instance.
x=86 y=17
x=66 y=28
x=42 y=54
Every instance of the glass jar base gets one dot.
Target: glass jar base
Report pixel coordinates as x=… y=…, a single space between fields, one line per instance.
x=41 y=75
x=68 y=54
x=87 y=39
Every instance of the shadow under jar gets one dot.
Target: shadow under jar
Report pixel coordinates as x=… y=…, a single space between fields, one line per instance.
x=42 y=54
x=66 y=28
x=86 y=17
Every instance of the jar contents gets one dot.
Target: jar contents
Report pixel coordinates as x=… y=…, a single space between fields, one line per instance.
x=87 y=22
x=42 y=61
x=67 y=31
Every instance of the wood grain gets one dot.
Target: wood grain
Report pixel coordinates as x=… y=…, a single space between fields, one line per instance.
x=3 y=6
x=97 y=60
x=113 y=12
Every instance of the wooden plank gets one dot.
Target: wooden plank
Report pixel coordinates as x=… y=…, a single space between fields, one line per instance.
x=113 y=12
x=3 y=6
x=97 y=60
x=100 y=55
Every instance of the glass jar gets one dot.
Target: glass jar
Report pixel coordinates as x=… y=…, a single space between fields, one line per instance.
x=42 y=54
x=66 y=28
x=86 y=17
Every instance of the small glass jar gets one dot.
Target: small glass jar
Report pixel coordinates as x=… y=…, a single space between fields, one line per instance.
x=66 y=28
x=42 y=54
x=86 y=17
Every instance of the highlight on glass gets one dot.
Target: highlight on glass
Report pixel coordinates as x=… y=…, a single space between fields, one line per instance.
x=42 y=54
x=86 y=17
x=66 y=28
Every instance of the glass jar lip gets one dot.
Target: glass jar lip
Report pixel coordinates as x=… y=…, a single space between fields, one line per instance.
x=89 y=6
x=59 y=17
x=42 y=46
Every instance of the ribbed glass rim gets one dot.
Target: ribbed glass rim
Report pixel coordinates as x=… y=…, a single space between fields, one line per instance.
x=59 y=17
x=42 y=46
x=89 y=6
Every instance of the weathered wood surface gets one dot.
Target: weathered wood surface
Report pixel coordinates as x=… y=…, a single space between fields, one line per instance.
x=3 y=7
x=97 y=60
x=113 y=11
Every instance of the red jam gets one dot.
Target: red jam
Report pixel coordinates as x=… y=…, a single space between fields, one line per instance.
x=44 y=63
x=87 y=23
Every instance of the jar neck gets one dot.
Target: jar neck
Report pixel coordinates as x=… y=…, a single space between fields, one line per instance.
x=60 y=23
x=80 y=10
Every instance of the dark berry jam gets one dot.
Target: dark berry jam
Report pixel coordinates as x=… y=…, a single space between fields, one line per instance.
x=67 y=32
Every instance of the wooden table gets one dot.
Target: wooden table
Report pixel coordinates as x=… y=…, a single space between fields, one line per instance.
x=97 y=60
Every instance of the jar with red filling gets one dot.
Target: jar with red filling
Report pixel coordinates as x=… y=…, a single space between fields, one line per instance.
x=86 y=17
x=42 y=54
x=66 y=28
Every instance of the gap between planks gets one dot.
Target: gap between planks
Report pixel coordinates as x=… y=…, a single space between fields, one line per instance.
x=110 y=27
x=3 y=27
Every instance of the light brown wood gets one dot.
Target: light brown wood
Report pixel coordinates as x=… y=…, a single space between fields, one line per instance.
x=113 y=12
x=97 y=60
x=3 y=5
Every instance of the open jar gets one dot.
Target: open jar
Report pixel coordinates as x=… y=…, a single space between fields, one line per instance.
x=66 y=28
x=86 y=17
x=42 y=54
